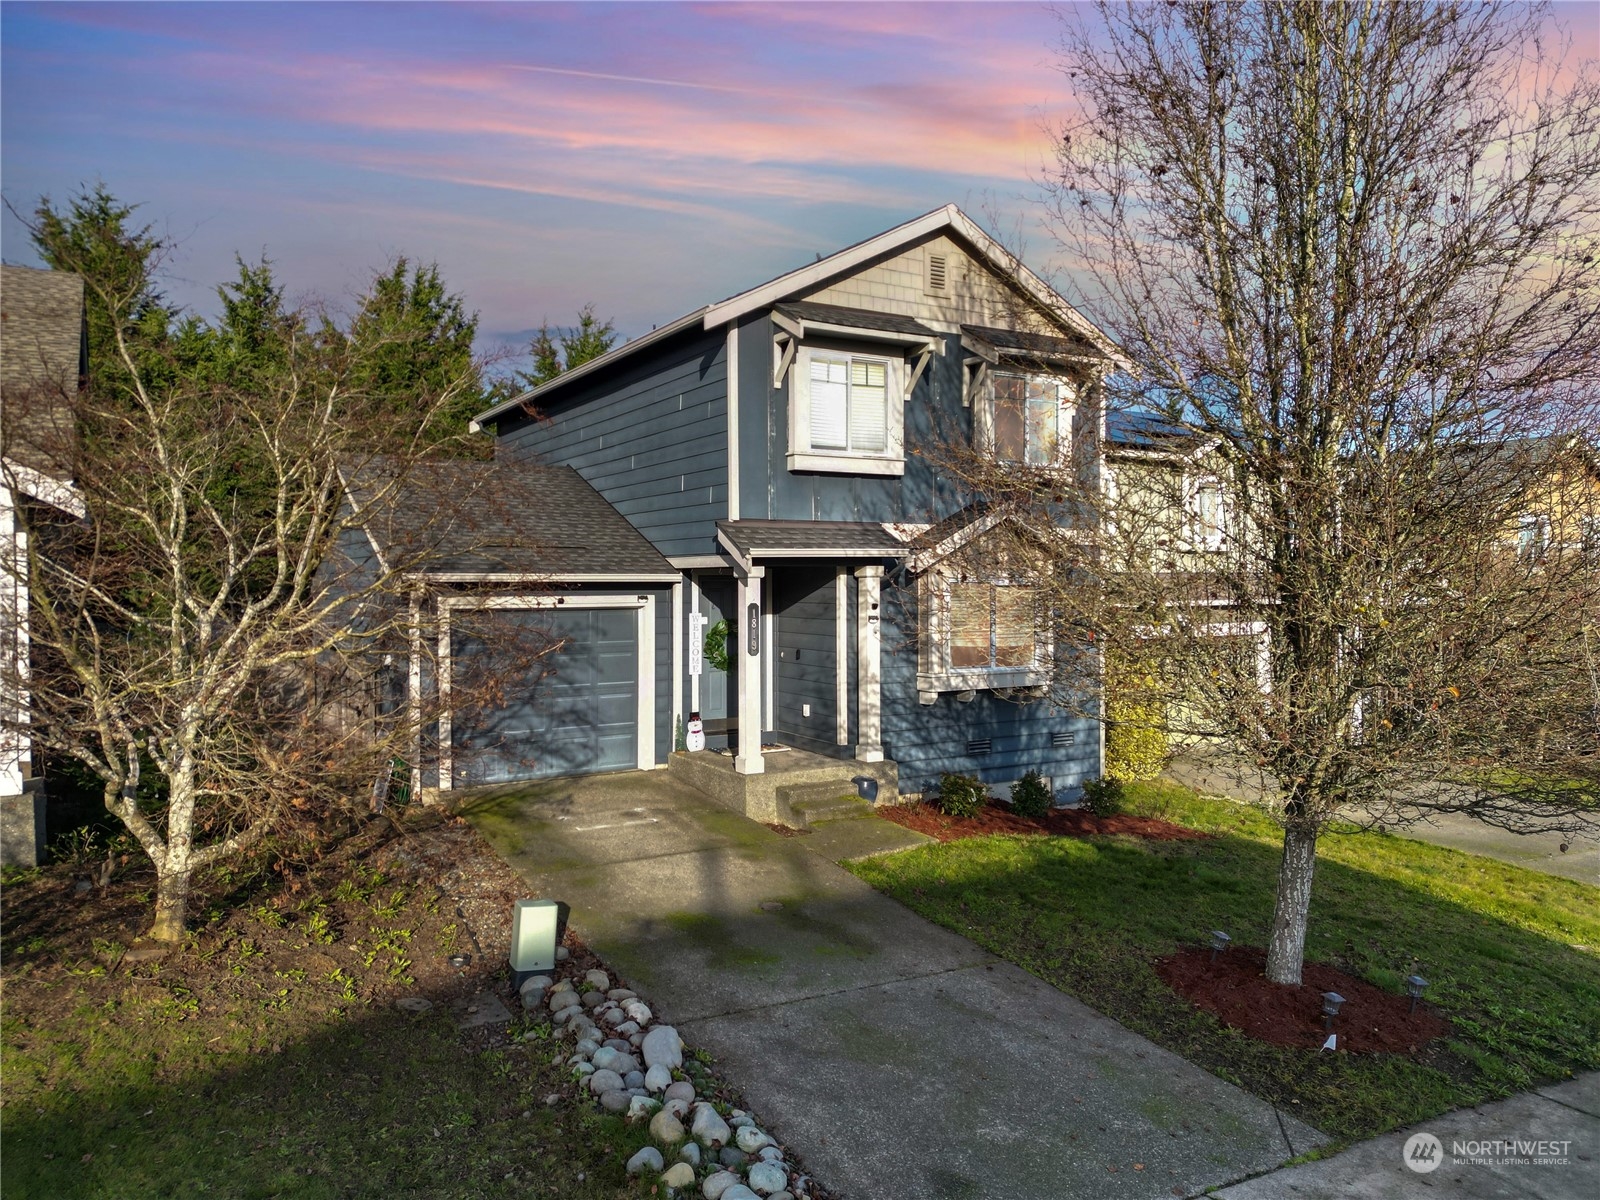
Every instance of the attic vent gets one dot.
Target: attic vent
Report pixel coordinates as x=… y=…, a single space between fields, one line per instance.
x=1062 y=738
x=978 y=746
x=938 y=271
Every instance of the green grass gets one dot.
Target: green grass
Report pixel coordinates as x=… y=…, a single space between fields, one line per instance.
x=1511 y=955
x=266 y=1059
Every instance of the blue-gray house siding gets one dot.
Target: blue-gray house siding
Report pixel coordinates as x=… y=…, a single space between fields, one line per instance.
x=653 y=440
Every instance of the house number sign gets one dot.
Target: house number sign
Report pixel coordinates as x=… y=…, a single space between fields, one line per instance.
x=752 y=629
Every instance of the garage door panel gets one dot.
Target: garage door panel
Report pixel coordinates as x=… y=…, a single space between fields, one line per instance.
x=575 y=712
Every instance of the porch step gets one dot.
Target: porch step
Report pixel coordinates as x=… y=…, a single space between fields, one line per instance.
x=811 y=804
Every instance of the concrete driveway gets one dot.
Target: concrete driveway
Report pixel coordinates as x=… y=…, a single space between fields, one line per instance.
x=895 y=1058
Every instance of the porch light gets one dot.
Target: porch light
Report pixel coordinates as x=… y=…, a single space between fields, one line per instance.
x=1219 y=943
x=533 y=937
x=1330 y=1008
x=1414 y=986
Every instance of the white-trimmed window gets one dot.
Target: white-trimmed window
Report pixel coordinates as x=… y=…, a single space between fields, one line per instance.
x=847 y=412
x=1533 y=537
x=1205 y=513
x=1027 y=420
x=981 y=633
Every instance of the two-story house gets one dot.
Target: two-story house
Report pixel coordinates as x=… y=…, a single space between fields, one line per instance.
x=830 y=592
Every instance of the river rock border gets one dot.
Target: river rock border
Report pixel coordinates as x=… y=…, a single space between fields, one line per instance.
x=634 y=1068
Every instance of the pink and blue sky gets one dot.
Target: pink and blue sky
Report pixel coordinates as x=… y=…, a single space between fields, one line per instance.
x=644 y=157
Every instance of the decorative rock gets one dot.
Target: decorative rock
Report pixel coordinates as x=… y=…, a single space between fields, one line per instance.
x=639 y=1011
x=561 y=985
x=586 y=1047
x=619 y=1045
x=781 y=1196
x=667 y=1129
x=740 y=1119
x=597 y=979
x=663 y=1045
x=561 y=1015
x=621 y=994
x=648 y=1159
x=566 y=999
x=536 y=983
x=628 y=1028
x=681 y=1090
x=689 y=1152
x=658 y=1079
x=637 y=1039
x=562 y=954
x=593 y=999
x=739 y=1192
x=732 y=1157
x=715 y=1185
x=708 y=1128
x=767 y=1179
x=640 y=1107
x=607 y=1059
x=676 y=1107
x=415 y=1005
x=750 y=1139
x=616 y=1101
x=770 y=1154
x=634 y=1079
x=678 y=1175
x=605 y=1081
x=582 y=1069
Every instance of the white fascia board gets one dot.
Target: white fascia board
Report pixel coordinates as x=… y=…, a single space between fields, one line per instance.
x=827 y=552
x=507 y=577
x=588 y=368
x=58 y=493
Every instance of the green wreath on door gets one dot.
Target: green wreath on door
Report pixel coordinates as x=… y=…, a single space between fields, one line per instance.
x=715 y=647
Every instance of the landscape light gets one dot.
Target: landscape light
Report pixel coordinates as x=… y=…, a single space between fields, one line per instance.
x=533 y=937
x=460 y=961
x=1414 y=986
x=1219 y=941
x=1330 y=1008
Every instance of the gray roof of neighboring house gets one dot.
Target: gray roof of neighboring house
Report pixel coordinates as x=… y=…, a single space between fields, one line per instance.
x=853 y=318
x=1147 y=433
x=822 y=539
x=43 y=355
x=492 y=518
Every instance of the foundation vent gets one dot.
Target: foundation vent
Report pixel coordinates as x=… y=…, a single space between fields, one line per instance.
x=979 y=746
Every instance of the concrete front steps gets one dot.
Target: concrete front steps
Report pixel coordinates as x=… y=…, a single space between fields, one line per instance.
x=805 y=791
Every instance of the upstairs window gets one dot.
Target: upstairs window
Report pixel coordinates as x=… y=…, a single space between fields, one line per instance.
x=847 y=413
x=1029 y=419
x=1533 y=537
x=1205 y=515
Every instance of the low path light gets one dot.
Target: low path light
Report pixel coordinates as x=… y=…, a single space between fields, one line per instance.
x=533 y=937
x=1330 y=1008
x=1414 y=986
x=1219 y=942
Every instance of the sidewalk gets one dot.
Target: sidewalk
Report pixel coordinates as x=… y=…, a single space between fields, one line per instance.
x=1562 y=1113
x=896 y=1059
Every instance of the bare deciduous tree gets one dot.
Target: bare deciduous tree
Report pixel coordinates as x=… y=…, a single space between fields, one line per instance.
x=1349 y=250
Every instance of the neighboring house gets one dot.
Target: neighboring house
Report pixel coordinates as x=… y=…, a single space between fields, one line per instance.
x=779 y=450
x=43 y=358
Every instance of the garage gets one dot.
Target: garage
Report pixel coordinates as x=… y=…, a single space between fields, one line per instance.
x=546 y=691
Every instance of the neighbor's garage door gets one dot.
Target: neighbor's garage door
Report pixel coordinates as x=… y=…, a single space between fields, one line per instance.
x=570 y=710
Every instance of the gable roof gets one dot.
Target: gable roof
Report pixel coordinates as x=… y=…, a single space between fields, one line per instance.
x=947 y=220
x=43 y=355
x=486 y=520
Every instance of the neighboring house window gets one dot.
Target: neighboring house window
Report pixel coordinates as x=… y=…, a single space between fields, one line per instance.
x=1205 y=514
x=1029 y=419
x=847 y=413
x=1589 y=543
x=1533 y=536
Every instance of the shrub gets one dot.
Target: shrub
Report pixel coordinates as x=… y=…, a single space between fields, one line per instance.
x=1136 y=720
x=961 y=795
x=1031 y=796
x=1102 y=797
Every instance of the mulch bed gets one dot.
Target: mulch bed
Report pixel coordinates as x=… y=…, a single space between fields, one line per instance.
x=1235 y=990
x=1060 y=822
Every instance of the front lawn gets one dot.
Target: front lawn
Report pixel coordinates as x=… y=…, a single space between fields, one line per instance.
x=1512 y=957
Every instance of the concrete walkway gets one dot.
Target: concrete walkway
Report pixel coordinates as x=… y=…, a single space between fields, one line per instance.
x=1580 y=860
x=896 y=1059
x=1567 y=1114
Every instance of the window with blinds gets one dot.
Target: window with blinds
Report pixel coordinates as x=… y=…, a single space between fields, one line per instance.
x=1025 y=419
x=992 y=626
x=849 y=404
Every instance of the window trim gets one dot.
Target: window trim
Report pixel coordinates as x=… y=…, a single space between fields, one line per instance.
x=934 y=672
x=983 y=422
x=803 y=457
x=1193 y=486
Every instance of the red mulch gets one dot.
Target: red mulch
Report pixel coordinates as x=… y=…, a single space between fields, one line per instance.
x=1234 y=988
x=1060 y=822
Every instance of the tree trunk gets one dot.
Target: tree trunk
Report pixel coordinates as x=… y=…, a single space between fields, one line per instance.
x=1286 y=944
x=172 y=904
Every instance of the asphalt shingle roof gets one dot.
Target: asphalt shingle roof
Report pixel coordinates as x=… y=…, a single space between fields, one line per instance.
x=1021 y=343
x=823 y=538
x=42 y=355
x=854 y=318
x=496 y=518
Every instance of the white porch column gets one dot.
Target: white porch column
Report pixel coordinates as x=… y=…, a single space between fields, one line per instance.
x=15 y=750
x=751 y=676
x=869 y=665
